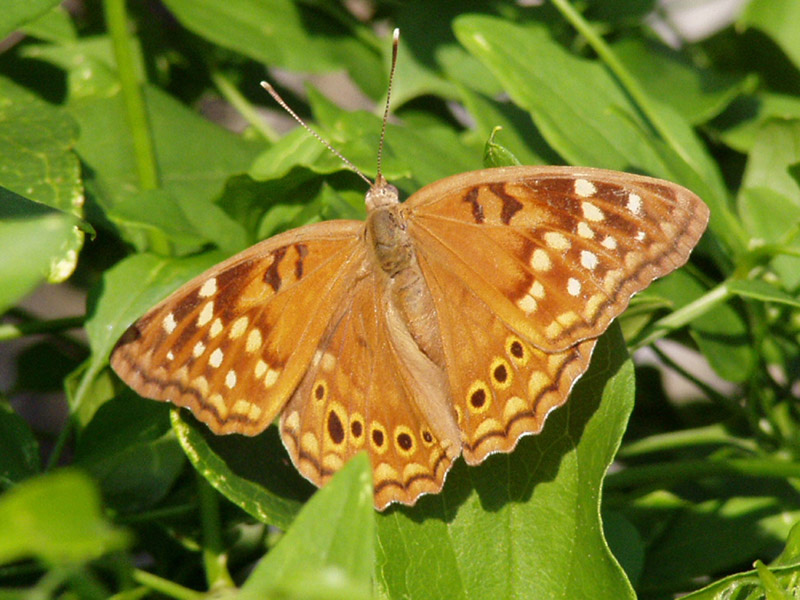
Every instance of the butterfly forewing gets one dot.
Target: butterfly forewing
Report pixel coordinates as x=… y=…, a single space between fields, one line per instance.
x=233 y=343
x=557 y=252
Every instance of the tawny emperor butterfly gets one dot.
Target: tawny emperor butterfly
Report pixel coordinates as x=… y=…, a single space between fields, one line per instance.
x=450 y=324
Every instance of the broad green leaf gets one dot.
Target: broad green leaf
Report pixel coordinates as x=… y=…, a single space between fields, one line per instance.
x=526 y=524
x=778 y=19
x=273 y=31
x=129 y=449
x=17 y=13
x=697 y=94
x=39 y=242
x=587 y=128
x=740 y=125
x=763 y=291
x=749 y=585
x=38 y=162
x=775 y=150
x=54 y=26
x=19 y=450
x=588 y=118
x=769 y=199
x=329 y=546
x=712 y=536
x=195 y=157
x=56 y=518
x=252 y=472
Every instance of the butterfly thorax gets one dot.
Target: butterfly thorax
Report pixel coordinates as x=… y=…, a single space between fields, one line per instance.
x=391 y=248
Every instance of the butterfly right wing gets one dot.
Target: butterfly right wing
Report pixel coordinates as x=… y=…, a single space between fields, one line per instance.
x=232 y=344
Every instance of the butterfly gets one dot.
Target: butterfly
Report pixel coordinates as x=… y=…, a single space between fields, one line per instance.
x=449 y=324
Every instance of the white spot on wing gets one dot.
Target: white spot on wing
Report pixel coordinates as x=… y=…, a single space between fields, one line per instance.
x=209 y=288
x=634 y=203
x=206 y=314
x=169 y=323
x=215 y=360
x=591 y=212
x=588 y=259
x=573 y=286
x=610 y=243
x=230 y=379
x=584 y=188
x=585 y=231
x=557 y=241
x=198 y=349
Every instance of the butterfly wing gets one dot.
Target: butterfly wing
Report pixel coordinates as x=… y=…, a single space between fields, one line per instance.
x=556 y=252
x=527 y=266
x=233 y=343
x=369 y=388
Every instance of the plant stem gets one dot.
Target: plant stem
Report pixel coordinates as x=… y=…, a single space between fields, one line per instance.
x=136 y=112
x=165 y=586
x=214 y=556
x=688 y=438
x=684 y=315
x=240 y=103
x=12 y=331
x=690 y=470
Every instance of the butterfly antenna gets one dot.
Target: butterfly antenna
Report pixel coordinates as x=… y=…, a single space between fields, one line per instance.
x=395 y=43
x=323 y=141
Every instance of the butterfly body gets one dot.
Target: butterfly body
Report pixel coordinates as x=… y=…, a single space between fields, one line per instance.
x=449 y=324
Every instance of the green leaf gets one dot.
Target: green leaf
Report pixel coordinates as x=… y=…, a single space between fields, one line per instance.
x=495 y=155
x=328 y=550
x=252 y=472
x=774 y=590
x=778 y=19
x=194 y=157
x=723 y=534
x=763 y=291
x=740 y=124
x=272 y=31
x=40 y=245
x=17 y=13
x=594 y=128
x=56 y=518
x=19 y=450
x=785 y=572
x=497 y=528
x=697 y=94
x=129 y=449
x=39 y=162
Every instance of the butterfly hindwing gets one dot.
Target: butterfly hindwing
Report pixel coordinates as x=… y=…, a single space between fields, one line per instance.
x=361 y=393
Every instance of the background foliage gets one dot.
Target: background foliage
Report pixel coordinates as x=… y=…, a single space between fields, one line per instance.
x=117 y=176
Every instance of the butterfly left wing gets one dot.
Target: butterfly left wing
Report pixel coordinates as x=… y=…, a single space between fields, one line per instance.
x=369 y=388
x=232 y=344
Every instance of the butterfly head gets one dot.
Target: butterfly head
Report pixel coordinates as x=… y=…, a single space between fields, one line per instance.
x=381 y=195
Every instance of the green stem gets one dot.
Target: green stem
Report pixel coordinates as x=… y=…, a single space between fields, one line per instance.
x=215 y=558
x=12 y=331
x=691 y=470
x=165 y=586
x=683 y=316
x=713 y=435
x=117 y=24
x=240 y=103
x=649 y=111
